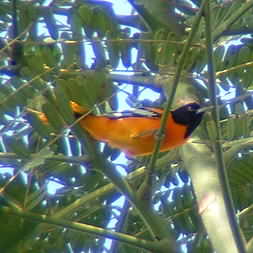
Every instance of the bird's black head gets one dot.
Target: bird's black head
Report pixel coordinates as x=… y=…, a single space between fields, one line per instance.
x=188 y=115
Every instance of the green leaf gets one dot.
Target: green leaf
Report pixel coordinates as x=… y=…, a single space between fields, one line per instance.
x=17 y=146
x=62 y=101
x=113 y=48
x=38 y=159
x=126 y=47
x=69 y=50
x=99 y=51
x=53 y=116
x=51 y=25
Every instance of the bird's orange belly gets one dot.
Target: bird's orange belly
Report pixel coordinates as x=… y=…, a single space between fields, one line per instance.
x=135 y=136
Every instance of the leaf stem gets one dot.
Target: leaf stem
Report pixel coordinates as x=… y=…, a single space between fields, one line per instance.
x=217 y=145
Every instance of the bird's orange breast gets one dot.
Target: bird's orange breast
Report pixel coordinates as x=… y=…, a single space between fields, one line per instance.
x=136 y=136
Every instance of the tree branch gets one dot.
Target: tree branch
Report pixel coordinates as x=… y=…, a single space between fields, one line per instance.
x=144 y=244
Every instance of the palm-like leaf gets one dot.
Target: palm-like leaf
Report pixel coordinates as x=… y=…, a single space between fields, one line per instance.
x=45 y=63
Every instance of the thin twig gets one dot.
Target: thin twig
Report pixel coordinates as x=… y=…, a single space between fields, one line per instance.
x=240 y=66
x=15 y=40
x=151 y=165
x=119 y=40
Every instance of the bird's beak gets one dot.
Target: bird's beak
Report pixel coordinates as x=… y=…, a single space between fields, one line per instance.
x=205 y=109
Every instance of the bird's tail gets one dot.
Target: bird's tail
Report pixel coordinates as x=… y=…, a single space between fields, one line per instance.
x=76 y=108
x=41 y=115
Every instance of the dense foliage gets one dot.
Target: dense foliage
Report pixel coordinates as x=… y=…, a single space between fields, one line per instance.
x=56 y=51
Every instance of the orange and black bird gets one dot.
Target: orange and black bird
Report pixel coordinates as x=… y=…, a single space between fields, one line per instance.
x=134 y=132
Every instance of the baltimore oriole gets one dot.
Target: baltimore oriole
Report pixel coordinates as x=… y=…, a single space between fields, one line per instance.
x=134 y=131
